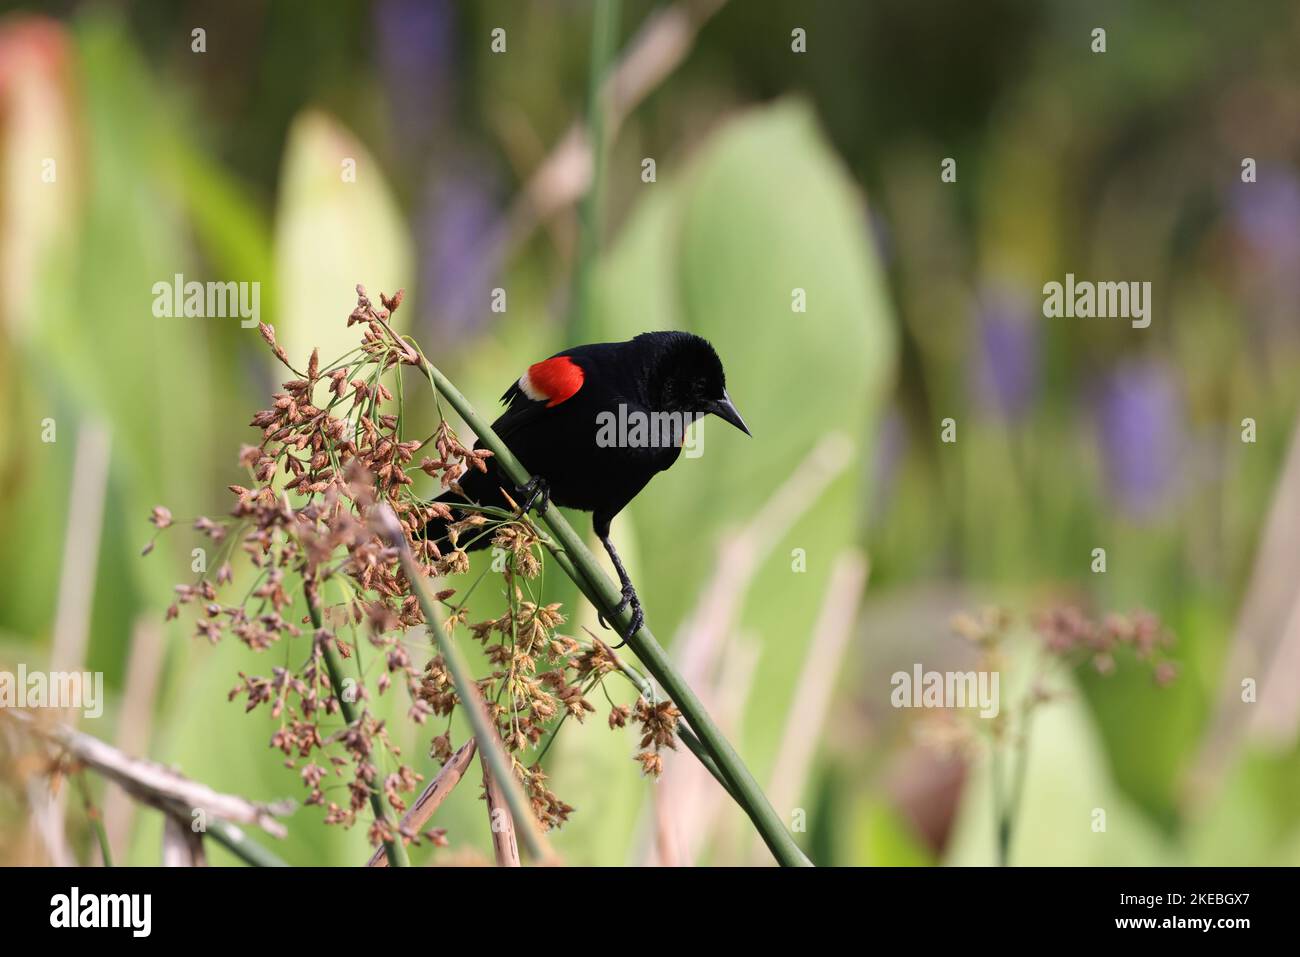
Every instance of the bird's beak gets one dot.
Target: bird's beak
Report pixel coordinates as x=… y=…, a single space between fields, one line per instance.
x=727 y=411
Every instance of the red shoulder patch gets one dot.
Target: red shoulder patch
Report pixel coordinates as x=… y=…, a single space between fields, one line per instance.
x=554 y=380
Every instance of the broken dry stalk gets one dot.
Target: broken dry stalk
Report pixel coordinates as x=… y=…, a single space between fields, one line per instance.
x=500 y=822
x=166 y=790
x=485 y=733
x=431 y=797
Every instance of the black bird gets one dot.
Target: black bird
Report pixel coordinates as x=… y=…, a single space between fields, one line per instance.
x=594 y=424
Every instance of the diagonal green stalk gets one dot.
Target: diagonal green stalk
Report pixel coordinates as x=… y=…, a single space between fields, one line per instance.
x=687 y=736
x=485 y=732
x=395 y=849
x=605 y=595
x=233 y=839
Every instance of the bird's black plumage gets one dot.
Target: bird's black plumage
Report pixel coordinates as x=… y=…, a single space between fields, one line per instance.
x=554 y=417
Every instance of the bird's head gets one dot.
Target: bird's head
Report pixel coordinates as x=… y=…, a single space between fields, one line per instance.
x=686 y=376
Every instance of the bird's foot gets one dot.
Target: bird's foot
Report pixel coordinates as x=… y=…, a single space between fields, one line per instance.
x=536 y=492
x=629 y=598
x=638 y=616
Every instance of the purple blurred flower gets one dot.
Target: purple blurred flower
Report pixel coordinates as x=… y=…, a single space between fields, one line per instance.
x=462 y=242
x=415 y=39
x=1140 y=418
x=890 y=450
x=1266 y=214
x=1006 y=361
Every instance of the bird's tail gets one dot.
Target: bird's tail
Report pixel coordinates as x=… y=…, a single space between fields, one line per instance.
x=481 y=488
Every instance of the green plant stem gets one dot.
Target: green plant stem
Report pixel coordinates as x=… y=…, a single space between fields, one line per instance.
x=1022 y=760
x=687 y=736
x=394 y=847
x=1001 y=821
x=1011 y=810
x=605 y=595
x=604 y=40
x=233 y=839
x=95 y=818
x=485 y=732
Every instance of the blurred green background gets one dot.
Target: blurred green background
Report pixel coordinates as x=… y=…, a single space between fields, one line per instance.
x=775 y=171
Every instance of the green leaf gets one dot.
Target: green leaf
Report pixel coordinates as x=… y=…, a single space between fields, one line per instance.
x=332 y=233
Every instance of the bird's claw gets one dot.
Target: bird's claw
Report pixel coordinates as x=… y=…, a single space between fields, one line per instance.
x=638 y=619
x=638 y=616
x=629 y=598
x=536 y=489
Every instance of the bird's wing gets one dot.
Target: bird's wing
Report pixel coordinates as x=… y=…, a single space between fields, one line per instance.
x=550 y=381
x=545 y=385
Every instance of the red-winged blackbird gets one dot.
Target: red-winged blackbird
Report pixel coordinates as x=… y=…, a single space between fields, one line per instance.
x=593 y=424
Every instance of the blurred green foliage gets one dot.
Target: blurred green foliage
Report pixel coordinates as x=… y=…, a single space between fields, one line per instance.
x=776 y=171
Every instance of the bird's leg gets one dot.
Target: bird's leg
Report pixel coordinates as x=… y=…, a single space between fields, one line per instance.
x=535 y=489
x=629 y=594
